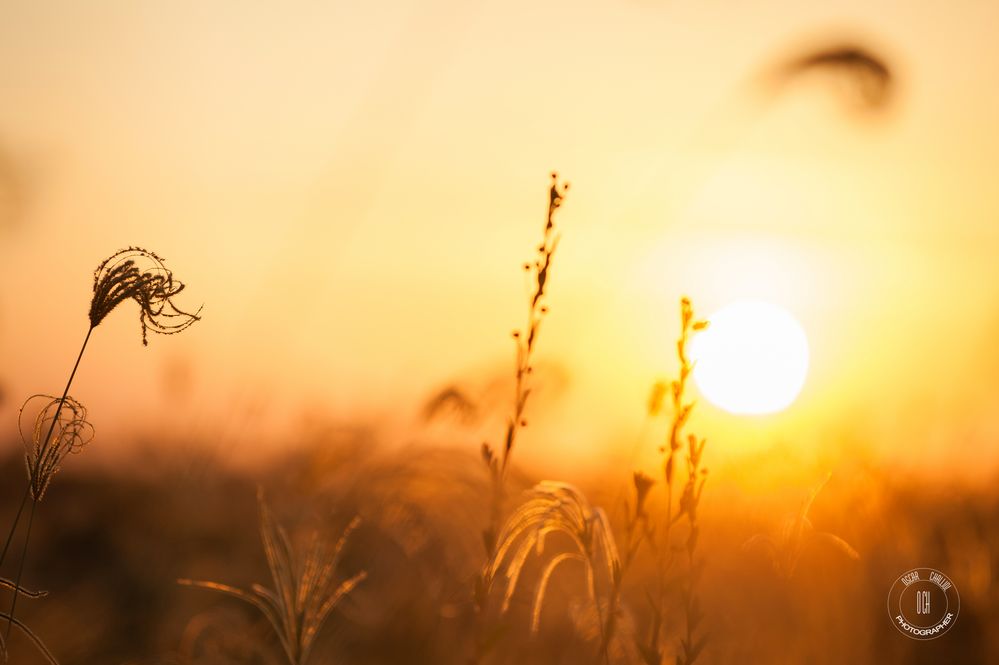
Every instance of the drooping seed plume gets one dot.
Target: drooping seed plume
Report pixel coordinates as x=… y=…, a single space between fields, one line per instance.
x=140 y=275
x=64 y=423
x=555 y=507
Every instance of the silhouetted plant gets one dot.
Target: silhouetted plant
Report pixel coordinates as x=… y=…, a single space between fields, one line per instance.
x=497 y=464
x=131 y=273
x=306 y=589
x=797 y=533
x=70 y=433
x=661 y=538
x=9 y=585
x=34 y=639
x=555 y=507
x=638 y=528
x=139 y=275
x=525 y=342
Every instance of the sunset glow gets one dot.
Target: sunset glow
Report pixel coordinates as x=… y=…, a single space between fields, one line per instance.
x=752 y=359
x=612 y=333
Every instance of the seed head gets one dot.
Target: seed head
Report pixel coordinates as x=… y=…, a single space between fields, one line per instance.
x=65 y=424
x=140 y=275
x=643 y=483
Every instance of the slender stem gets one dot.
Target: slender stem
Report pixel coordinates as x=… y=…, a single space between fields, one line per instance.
x=591 y=581
x=20 y=569
x=607 y=629
x=62 y=400
x=681 y=412
x=13 y=527
x=498 y=463
x=34 y=502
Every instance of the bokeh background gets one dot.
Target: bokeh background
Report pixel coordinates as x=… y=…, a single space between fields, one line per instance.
x=350 y=189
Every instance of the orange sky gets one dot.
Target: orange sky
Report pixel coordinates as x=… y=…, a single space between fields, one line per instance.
x=350 y=189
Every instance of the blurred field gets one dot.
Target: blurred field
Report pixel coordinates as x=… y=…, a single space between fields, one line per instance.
x=111 y=543
x=351 y=189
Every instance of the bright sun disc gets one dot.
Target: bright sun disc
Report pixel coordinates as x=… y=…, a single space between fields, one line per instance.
x=752 y=359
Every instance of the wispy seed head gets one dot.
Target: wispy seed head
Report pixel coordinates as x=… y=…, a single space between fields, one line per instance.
x=140 y=275
x=65 y=424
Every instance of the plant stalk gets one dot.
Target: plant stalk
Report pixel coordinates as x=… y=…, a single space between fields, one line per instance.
x=20 y=569
x=17 y=519
x=27 y=491
x=65 y=393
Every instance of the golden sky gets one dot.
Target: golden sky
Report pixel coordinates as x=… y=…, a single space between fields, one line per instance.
x=350 y=189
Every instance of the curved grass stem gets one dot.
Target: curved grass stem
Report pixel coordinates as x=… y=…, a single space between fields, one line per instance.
x=27 y=491
x=20 y=570
x=17 y=520
x=65 y=392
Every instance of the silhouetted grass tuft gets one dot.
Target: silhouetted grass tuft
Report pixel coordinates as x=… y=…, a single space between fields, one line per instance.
x=66 y=419
x=555 y=508
x=131 y=273
x=797 y=533
x=306 y=588
x=140 y=275
x=497 y=464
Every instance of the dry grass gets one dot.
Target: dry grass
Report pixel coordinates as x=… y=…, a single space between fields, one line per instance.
x=658 y=531
x=556 y=508
x=140 y=275
x=67 y=431
x=498 y=463
x=132 y=273
x=306 y=587
x=690 y=498
x=796 y=533
x=561 y=583
x=560 y=508
x=526 y=339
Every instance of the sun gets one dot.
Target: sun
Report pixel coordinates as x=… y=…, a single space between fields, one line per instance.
x=752 y=359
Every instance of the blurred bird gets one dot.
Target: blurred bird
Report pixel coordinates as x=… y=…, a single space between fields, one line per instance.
x=863 y=72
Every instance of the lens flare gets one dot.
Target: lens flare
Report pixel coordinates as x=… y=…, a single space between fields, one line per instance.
x=752 y=359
